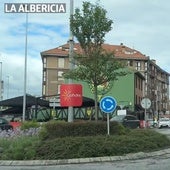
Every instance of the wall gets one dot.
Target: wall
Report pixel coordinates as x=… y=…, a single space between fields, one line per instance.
x=122 y=90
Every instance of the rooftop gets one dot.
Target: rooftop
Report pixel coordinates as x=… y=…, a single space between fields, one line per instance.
x=120 y=51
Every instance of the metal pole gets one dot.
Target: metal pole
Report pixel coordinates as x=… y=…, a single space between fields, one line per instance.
x=70 y=109
x=108 y=125
x=1 y=82
x=145 y=118
x=7 y=87
x=25 y=70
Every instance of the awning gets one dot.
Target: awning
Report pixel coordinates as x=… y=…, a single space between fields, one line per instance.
x=32 y=100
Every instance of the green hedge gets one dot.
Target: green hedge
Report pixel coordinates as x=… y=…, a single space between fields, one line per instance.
x=56 y=129
x=29 y=124
x=138 y=140
x=21 y=148
x=130 y=141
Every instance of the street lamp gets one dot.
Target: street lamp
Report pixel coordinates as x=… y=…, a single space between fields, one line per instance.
x=25 y=70
x=70 y=108
x=1 y=82
x=7 y=87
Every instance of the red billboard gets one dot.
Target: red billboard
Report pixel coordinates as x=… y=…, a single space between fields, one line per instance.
x=70 y=95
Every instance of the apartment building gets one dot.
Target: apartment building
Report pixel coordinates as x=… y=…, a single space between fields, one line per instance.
x=155 y=85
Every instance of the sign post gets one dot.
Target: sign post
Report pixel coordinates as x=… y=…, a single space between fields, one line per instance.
x=146 y=104
x=108 y=105
x=54 y=102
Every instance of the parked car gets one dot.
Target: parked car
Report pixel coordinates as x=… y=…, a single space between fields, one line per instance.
x=129 y=121
x=164 y=122
x=5 y=125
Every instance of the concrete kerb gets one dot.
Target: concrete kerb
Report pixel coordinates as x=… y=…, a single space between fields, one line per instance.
x=131 y=156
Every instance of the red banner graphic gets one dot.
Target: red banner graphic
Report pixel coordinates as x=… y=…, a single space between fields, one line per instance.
x=70 y=95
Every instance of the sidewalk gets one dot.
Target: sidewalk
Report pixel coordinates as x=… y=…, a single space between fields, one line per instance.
x=140 y=155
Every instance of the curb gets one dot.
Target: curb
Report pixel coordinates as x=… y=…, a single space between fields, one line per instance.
x=131 y=156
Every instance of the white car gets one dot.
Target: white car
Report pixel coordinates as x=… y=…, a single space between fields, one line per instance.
x=164 y=122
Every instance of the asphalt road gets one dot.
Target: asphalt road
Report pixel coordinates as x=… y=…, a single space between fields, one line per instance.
x=165 y=131
x=155 y=163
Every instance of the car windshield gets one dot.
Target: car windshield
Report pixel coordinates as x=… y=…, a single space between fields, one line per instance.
x=118 y=118
x=3 y=121
x=164 y=119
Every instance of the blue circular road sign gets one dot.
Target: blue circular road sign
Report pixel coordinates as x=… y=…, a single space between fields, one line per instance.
x=108 y=104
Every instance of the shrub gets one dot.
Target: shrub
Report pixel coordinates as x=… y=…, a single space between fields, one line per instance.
x=130 y=141
x=97 y=146
x=43 y=134
x=29 y=124
x=62 y=129
x=21 y=148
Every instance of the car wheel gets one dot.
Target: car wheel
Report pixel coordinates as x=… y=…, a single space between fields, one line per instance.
x=154 y=125
x=138 y=127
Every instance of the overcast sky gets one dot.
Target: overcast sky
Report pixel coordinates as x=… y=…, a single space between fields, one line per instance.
x=140 y=24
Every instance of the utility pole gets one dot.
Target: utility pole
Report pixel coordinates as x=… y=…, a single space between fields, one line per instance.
x=1 y=82
x=7 y=87
x=70 y=109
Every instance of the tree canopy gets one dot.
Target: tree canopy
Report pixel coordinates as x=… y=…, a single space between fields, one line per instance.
x=94 y=65
x=89 y=26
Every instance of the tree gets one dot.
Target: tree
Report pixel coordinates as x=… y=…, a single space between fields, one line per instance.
x=94 y=65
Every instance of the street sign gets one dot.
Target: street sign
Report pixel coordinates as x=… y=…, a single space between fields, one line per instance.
x=146 y=103
x=108 y=104
x=54 y=102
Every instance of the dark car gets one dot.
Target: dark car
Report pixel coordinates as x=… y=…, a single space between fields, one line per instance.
x=129 y=121
x=5 y=125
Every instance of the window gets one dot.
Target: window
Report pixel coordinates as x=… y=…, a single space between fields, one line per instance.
x=139 y=82
x=44 y=87
x=60 y=62
x=138 y=65
x=60 y=73
x=44 y=76
x=60 y=78
x=136 y=82
x=45 y=62
x=141 y=85
x=3 y=121
x=130 y=63
x=130 y=118
x=146 y=77
x=58 y=89
x=136 y=98
x=146 y=66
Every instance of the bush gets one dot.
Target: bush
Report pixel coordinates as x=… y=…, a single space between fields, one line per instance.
x=96 y=146
x=29 y=124
x=130 y=141
x=56 y=129
x=149 y=138
x=22 y=148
